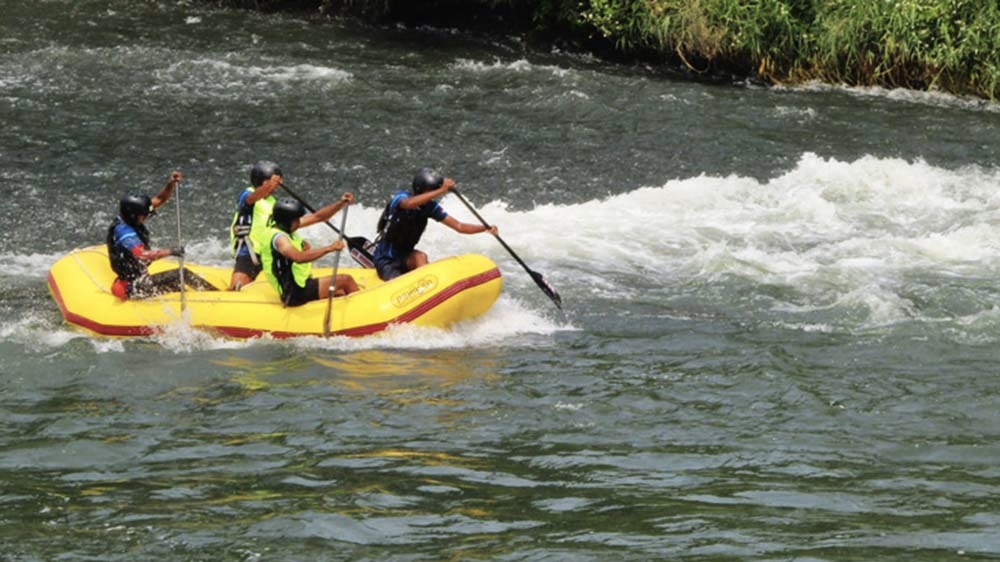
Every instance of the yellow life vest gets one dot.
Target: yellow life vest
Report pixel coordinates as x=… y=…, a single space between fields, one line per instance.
x=282 y=272
x=261 y=223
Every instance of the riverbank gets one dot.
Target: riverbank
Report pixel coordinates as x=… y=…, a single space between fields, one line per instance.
x=931 y=45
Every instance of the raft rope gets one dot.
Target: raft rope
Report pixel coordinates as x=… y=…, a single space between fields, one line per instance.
x=76 y=258
x=198 y=296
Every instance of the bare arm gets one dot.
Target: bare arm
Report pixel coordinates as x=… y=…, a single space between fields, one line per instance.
x=466 y=228
x=143 y=253
x=307 y=254
x=324 y=214
x=265 y=189
x=414 y=201
x=168 y=190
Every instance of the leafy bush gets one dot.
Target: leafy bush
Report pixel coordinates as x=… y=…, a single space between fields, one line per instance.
x=952 y=45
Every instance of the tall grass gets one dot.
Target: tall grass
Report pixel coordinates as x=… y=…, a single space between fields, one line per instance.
x=950 y=45
x=947 y=44
x=747 y=37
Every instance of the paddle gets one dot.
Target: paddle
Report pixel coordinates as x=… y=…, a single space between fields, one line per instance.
x=333 y=279
x=361 y=248
x=539 y=280
x=180 y=244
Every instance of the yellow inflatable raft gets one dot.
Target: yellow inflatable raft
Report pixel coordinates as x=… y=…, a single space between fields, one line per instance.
x=439 y=294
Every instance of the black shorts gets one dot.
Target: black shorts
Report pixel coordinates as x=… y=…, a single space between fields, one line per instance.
x=244 y=264
x=389 y=268
x=299 y=296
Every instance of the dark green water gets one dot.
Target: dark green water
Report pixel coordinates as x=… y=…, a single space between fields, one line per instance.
x=779 y=340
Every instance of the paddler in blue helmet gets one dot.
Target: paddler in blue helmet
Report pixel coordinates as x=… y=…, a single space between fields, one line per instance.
x=130 y=255
x=404 y=219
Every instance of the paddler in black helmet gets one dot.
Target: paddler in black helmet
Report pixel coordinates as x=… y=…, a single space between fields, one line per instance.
x=255 y=202
x=249 y=229
x=130 y=254
x=404 y=219
x=287 y=259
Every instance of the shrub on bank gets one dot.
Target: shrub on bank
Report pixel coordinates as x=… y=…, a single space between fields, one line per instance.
x=950 y=45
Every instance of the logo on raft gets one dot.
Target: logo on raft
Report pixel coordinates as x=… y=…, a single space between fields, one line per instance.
x=416 y=290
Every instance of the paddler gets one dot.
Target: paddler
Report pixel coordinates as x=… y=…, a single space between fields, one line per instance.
x=130 y=254
x=404 y=219
x=248 y=231
x=287 y=258
x=254 y=202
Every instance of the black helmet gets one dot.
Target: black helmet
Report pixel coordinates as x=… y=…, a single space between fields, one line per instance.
x=133 y=206
x=426 y=180
x=263 y=170
x=285 y=212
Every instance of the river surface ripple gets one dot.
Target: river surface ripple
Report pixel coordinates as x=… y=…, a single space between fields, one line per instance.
x=780 y=329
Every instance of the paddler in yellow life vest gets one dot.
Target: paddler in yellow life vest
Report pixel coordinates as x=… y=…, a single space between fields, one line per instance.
x=287 y=258
x=253 y=208
x=248 y=231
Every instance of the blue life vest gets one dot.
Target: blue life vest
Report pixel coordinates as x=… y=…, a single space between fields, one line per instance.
x=400 y=229
x=123 y=262
x=239 y=230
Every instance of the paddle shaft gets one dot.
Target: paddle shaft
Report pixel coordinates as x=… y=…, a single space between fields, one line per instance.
x=180 y=243
x=539 y=280
x=358 y=244
x=333 y=278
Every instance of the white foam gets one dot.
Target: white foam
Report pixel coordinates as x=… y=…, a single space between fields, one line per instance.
x=216 y=73
x=517 y=66
x=848 y=234
x=30 y=265
x=508 y=321
x=918 y=97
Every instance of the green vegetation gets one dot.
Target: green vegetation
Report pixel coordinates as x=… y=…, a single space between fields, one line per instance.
x=948 y=45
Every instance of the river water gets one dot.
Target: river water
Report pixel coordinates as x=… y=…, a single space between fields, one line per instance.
x=780 y=329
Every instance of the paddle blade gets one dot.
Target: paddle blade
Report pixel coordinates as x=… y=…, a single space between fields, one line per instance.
x=546 y=288
x=539 y=280
x=362 y=251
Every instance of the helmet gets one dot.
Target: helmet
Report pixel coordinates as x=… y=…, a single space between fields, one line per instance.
x=285 y=212
x=426 y=180
x=262 y=170
x=133 y=206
